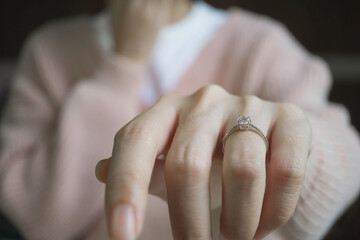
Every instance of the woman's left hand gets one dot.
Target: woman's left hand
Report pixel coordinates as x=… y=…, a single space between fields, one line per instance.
x=190 y=131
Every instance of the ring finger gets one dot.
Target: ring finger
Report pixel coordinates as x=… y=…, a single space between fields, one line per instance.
x=244 y=175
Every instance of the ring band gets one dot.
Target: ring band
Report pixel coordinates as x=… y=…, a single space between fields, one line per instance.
x=244 y=124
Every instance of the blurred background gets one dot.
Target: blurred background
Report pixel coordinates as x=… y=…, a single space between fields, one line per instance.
x=329 y=28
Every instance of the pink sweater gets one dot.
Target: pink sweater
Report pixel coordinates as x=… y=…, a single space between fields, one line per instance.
x=68 y=101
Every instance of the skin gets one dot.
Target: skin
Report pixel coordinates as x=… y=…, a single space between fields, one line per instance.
x=136 y=24
x=189 y=129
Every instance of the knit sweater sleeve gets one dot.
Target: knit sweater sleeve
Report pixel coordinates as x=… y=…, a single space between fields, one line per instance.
x=333 y=170
x=53 y=132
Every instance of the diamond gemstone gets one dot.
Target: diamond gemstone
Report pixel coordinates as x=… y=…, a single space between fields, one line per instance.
x=244 y=120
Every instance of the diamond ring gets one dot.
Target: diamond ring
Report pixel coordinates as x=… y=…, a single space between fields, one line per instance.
x=244 y=124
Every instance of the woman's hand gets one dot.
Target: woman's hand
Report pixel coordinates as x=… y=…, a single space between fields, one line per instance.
x=136 y=24
x=190 y=130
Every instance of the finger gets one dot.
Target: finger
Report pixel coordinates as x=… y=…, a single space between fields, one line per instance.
x=290 y=145
x=135 y=149
x=243 y=176
x=188 y=164
x=187 y=176
x=157 y=183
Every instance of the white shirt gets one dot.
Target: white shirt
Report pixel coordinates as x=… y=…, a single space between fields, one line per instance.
x=175 y=49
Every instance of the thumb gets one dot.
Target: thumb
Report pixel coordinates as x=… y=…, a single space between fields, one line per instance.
x=101 y=170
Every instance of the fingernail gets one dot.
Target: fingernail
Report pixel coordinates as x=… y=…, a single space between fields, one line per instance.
x=123 y=224
x=97 y=170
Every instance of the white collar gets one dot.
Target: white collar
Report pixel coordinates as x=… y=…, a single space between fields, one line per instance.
x=176 y=47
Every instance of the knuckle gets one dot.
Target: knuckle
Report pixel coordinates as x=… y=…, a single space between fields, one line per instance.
x=190 y=169
x=188 y=163
x=134 y=130
x=290 y=175
x=251 y=103
x=207 y=99
x=251 y=100
x=210 y=90
x=248 y=170
x=169 y=98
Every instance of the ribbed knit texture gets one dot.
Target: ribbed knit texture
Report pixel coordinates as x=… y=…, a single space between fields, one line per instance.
x=68 y=101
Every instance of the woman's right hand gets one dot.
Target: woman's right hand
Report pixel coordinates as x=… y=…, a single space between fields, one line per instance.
x=189 y=130
x=136 y=24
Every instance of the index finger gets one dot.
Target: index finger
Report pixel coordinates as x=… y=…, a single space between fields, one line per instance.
x=135 y=149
